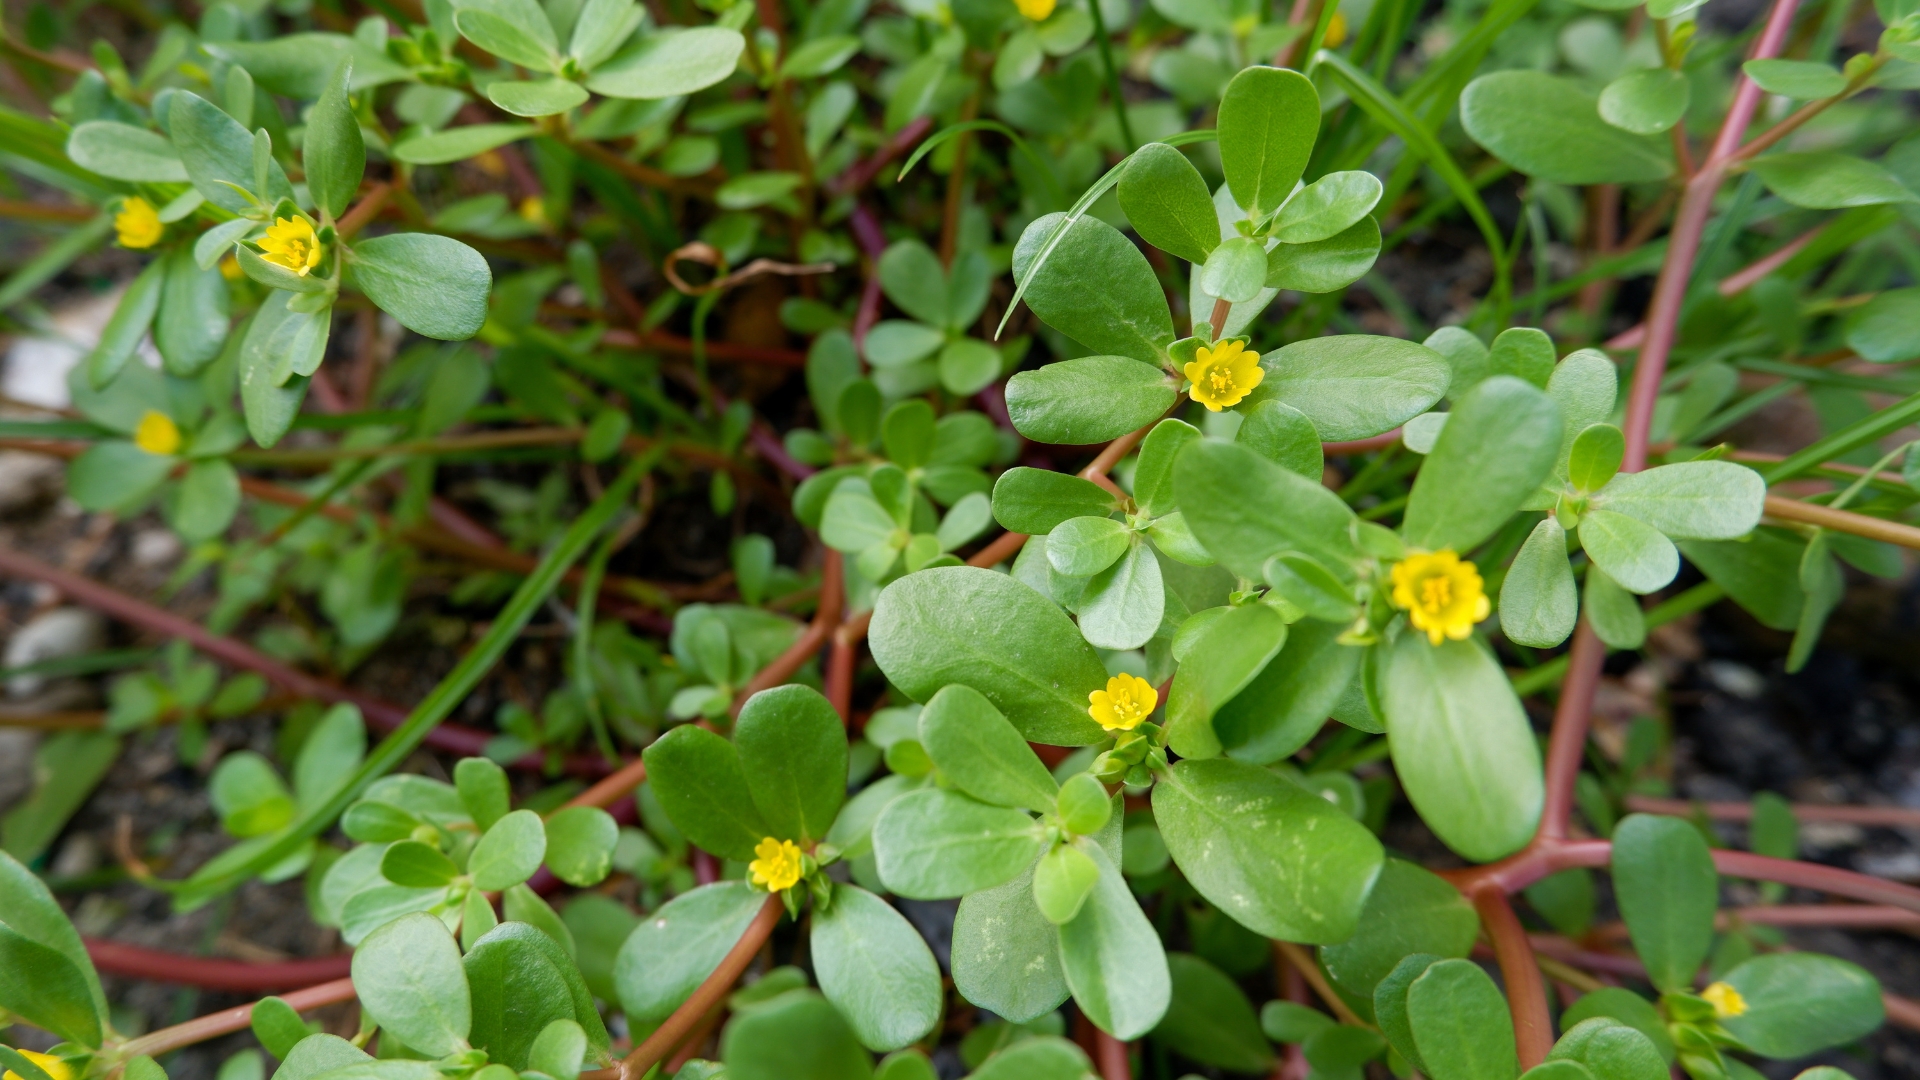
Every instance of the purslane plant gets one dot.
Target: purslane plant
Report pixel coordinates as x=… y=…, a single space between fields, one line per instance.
x=1213 y=645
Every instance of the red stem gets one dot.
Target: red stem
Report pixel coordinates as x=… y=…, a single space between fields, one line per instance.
x=1113 y=1062
x=134 y=962
x=668 y=1035
x=1526 y=991
x=228 y=1021
x=1569 y=742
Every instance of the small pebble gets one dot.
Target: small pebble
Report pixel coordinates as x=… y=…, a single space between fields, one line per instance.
x=57 y=634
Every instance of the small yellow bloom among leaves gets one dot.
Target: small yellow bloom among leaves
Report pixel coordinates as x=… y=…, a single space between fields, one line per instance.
x=1036 y=10
x=157 y=434
x=778 y=867
x=230 y=269
x=1336 y=30
x=1127 y=700
x=1442 y=595
x=292 y=243
x=533 y=210
x=138 y=223
x=1726 y=1001
x=1224 y=375
x=49 y=1064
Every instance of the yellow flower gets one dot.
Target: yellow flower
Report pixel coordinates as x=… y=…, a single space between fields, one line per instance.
x=533 y=210
x=157 y=434
x=778 y=867
x=1037 y=10
x=291 y=243
x=1441 y=594
x=49 y=1064
x=138 y=223
x=1127 y=700
x=1336 y=30
x=1726 y=1001
x=1223 y=375
x=230 y=269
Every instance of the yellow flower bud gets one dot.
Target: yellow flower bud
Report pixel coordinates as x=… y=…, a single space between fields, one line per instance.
x=1336 y=30
x=1036 y=10
x=1126 y=702
x=1441 y=594
x=157 y=434
x=138 y=223
x=52 y=1066
x=1726 y=1001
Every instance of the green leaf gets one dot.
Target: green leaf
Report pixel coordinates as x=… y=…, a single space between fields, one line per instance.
x=543 y=97
x=1760 y=574
x=1461 y=745
x=1236 y=271
x=1800 y=1003
x=435 y=285
x=793 y=752
x=559 y=1050
x=1322 y=266
x=123 y=152
x=1647 y=101
x=1037 y=1057
x=982 y=754
x=821 y=56
x=670 y=63
x=1327 y=207
x=1126 y=316
x=410 y=981
x=1390 y=1004
x=523 y=982
x=1595 y=457
x=599 y=925
x=1353 y=386
x=1824 y=180
x=673 y=951
x=1123 y=604
x=977 y=628
x=127 y=325
x=580 y=842
x=1584 y=386
x=1088 y=400
x=67 y=768
x=116 y=475
x=1228 y=653
x=876 y=968
x=1664 y=881
x=1269 y=118
x=1247 y=509
x=1611 y=1049
x=1626 y=1007
x=1886 y=329
x=477 y=918
x=1167 y=203
x=459 y=144
x=1538 y=601
x=317 y=1054
x=1006 y=955
x=278 y=1027
x=1281 y=861
x=1209 y=1019
x=516 y=31
x=1460 y=1023
x=1082 y=546
x=191 y=323
x=1550 y=129
x=218 y=152
x=1803 y=79
x=1691 y=500
x=1500 y=442
x=300 y=65
x=1409 y=911
x=913 y=278
x=1632 y=553
x=796 y=1036
x=1524 y=353
x=1062 y=880
x=1112 y=956
x=1288 y=702
x=602 y=27
x=509 y=853
x=333 y=151
x=485 y=791
x=701 y=784
x=968 y=366
x=1283 y=434
x=206 y=501
x=754 y=189
x=44 y=987
x=417 y=865
x=1614 y=613
x=933 y=844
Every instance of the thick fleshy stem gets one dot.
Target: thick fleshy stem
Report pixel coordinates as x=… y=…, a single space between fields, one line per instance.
x=1113 y=1063
x=228 y=1021
x=1526 y=990
x=691 y=1011
x=1569 y=742
x=205 y=973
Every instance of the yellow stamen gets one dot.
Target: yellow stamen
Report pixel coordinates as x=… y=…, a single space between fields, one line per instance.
x=1726 y=1001
x=1126 y=702
x=292 y=243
